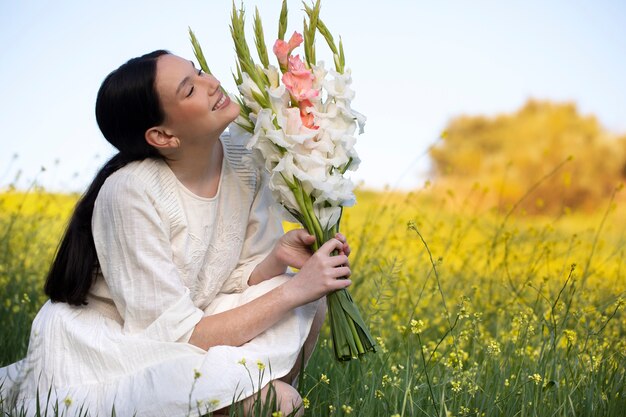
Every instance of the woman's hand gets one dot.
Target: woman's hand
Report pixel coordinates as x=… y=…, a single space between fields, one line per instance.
x=320 y=274
x=294 y=247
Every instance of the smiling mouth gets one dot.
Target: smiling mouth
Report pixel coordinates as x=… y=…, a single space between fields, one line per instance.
x=222 y=102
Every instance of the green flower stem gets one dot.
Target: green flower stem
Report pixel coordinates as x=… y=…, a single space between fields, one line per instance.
x=298 y=193
x=316 y=223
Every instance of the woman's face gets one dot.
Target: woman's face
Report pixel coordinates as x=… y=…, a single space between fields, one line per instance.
x=192 y=101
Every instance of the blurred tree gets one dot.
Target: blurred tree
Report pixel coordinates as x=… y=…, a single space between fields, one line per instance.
x=510 y=153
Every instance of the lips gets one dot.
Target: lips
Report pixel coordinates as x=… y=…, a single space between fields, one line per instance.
x=222 y=102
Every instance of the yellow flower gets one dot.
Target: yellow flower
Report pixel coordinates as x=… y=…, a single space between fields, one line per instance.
x=196 y=374
x=277 y=414
x=242 y=361
x=570 y=335
x=417 y=326
x=536 y=378
x=306 y=403
x=67 y=401
x=346 y=409
x=324 y=379
x=493 y=348
x=260 y=365
x=381 y=344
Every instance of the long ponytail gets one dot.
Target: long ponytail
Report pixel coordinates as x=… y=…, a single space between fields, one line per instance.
x=127 y=106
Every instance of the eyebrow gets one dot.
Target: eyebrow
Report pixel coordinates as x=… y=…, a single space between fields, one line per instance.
x=185 y=80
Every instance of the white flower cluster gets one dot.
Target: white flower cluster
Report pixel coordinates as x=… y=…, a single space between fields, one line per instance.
x=315 y=158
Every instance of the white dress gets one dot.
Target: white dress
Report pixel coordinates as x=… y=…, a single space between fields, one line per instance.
x=167 y=258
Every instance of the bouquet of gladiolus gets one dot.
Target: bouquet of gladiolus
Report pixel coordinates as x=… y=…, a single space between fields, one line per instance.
x=302 y=130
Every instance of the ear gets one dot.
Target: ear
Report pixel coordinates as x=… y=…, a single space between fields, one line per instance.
x=160 y=139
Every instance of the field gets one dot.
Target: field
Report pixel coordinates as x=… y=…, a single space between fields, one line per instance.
x=475 y=312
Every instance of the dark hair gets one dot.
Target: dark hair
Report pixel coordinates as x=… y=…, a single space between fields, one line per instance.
x=127 y=105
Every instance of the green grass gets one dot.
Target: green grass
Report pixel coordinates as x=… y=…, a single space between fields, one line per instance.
x=476 y=313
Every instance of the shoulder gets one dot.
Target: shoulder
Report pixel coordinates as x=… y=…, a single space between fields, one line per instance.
x=140 y=183
x=135 y=178
x=238 y=156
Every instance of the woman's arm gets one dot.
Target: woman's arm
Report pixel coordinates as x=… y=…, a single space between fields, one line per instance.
x=318 y=277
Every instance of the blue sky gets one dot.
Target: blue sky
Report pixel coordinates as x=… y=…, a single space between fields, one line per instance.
x=415 y=65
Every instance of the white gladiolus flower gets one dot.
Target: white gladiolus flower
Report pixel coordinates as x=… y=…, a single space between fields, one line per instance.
x=282 y=193
x=247 y=86
x=328 y=216
x=279 y=98
x=319 y=72
x=338 y=87
x=273 y=75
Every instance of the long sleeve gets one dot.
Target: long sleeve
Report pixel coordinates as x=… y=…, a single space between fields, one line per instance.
x=263 y=231
x=135 y=255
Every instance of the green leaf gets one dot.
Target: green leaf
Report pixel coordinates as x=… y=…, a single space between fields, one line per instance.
x=282 y=21
x=259 y=39
x=197 y=51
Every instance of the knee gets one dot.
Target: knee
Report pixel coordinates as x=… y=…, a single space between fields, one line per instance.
x=288 y=398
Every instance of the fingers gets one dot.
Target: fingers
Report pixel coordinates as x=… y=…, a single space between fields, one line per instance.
x=339 y=260
x=345 y=248
x=339 y=284
x=305 y=237
x=330 y=246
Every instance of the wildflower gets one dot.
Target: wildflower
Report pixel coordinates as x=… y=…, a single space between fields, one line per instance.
x=306 y=403
x=570 y=335
x=214 y=402
x=379 y=394
x=196 y=374
x=536 y=378
x=346 y=409
x=456 y=386
x=395 y=415
x=386 y=380
x=260 y=365
x=493 y=348
x=324 y=379
x=506 y=382
x=417 y=326
x=67 y=401
x=381 y=344
x=331 y=409
x=242 y=361
x=277 y=414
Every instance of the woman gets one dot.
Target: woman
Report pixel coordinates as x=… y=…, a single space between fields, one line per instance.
x=168 y=292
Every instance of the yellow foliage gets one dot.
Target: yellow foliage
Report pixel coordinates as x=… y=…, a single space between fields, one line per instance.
x=564 y=159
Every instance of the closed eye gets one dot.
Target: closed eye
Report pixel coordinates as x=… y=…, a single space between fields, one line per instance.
x=200 y=72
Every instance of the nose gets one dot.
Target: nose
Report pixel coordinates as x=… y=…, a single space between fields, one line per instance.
x=212 y=83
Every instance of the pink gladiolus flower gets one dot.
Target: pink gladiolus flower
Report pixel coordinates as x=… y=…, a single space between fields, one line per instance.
x=299 y=80
x=282 y=49
x=296 y=65
x=307 y=117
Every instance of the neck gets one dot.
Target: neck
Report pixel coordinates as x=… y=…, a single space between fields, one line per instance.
x=198 y=167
